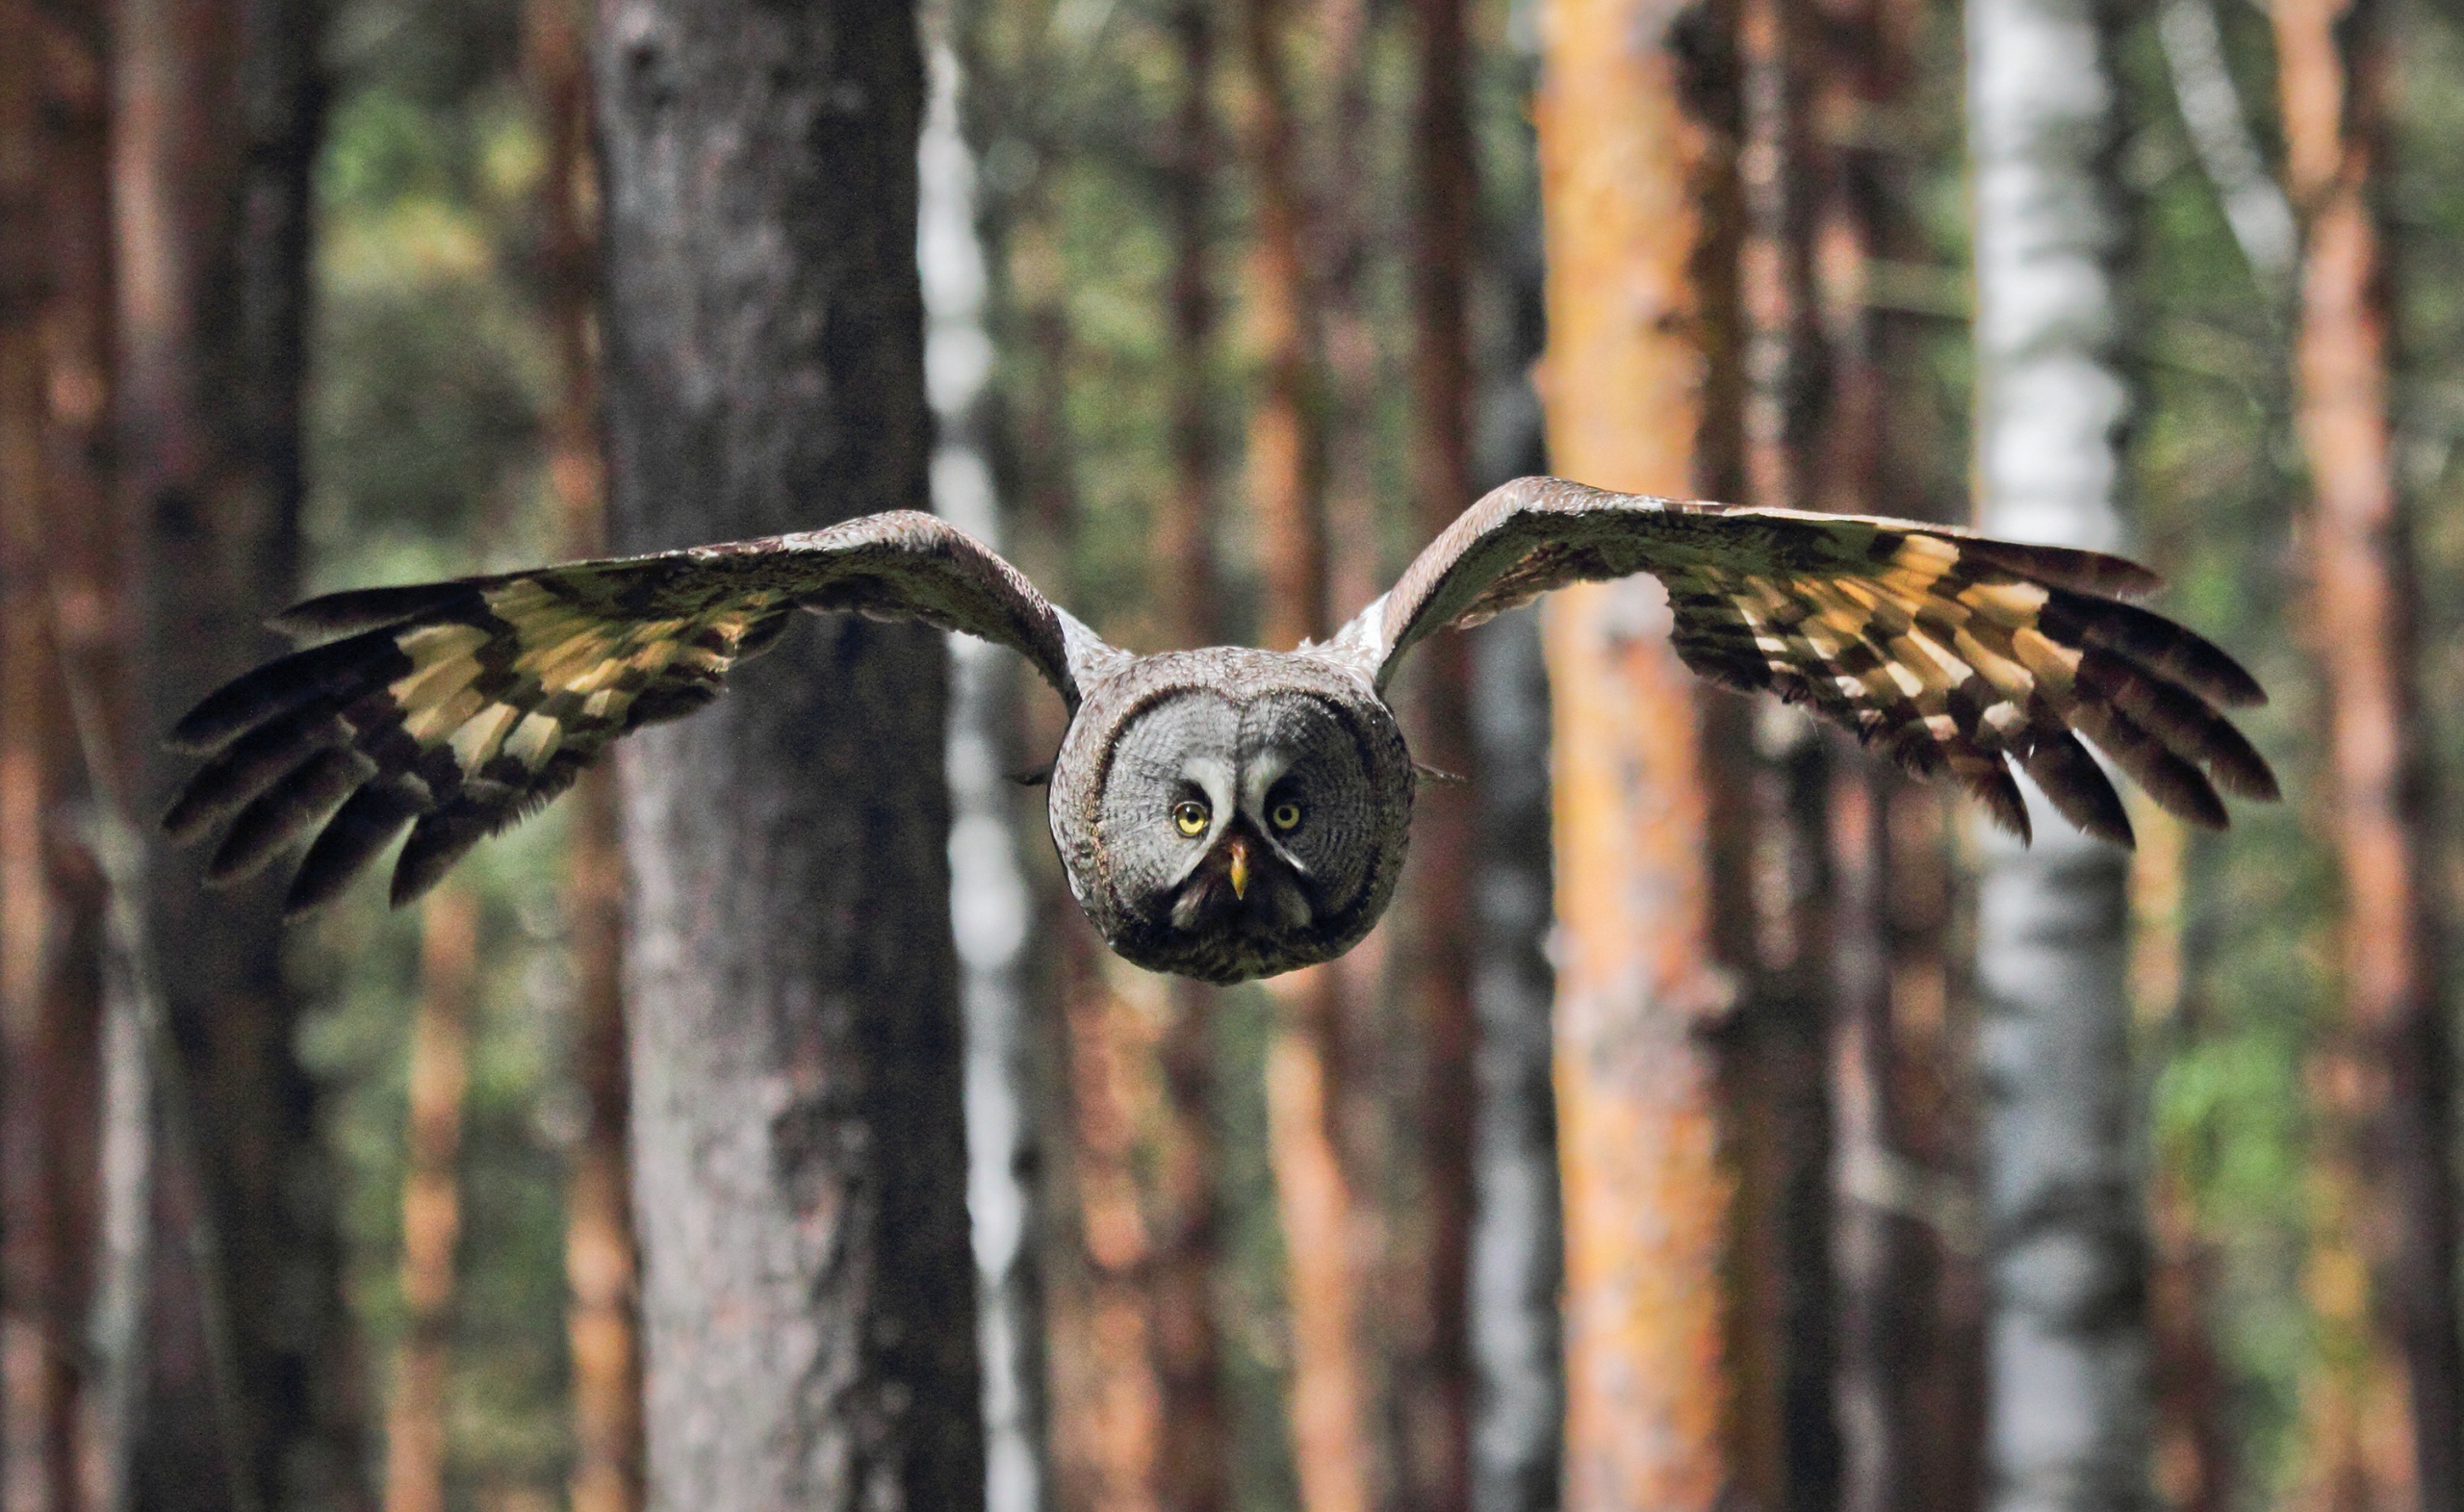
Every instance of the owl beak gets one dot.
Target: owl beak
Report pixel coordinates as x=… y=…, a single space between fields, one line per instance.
x=1237 y=852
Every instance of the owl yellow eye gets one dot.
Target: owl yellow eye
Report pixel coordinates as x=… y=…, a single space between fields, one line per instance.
x=1285 y=817
x=1188 y=816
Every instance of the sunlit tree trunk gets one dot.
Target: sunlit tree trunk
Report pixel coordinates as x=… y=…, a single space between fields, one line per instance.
x=2384 y=1425
x=1629 y=191
x=415 y=1430
x=1331 y=1446
x=217 y=109
x=798 y=1135
x=2068 y=1350
x=603 y=1329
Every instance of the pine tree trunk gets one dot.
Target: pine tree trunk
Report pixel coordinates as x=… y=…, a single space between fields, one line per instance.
x=216 y=113
x=2385 y=1424
x=807 y=1295
x=602 y=1275
x=414 y=1431
x=2068 y=1341
x=1631 y=191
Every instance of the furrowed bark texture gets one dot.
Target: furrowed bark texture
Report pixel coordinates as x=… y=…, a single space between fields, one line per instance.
x=1313 y=1190
x=2067 y=1243
x=2384 y=1415
x=415 y=1430
x=807 y=1297
x=1625 y=171
x=1435 y=1384
x=217 y=109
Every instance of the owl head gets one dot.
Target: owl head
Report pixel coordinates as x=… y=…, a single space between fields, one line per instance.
x=1229 y=813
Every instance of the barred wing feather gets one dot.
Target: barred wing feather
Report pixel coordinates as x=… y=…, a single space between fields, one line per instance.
x=458 y=708
x=1956 y=654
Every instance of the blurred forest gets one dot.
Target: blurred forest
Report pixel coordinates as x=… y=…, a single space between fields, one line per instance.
x=1720 y=1119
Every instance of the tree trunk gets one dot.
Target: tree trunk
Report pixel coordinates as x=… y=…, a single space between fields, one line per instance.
x=2384 y=1415
x=1331 y=1448
x=415 y=1436
x=1434 y=1390
x=602 y=1276
x=1196 y=1447
x=217 y=109
x=2066 y=1257
x=799 y=1148
x=38 y=1295
x=1629 y=190
x=988 y=898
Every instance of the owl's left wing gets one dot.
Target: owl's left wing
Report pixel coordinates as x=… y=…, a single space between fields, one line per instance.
x=1954 y=652
x=460 y=708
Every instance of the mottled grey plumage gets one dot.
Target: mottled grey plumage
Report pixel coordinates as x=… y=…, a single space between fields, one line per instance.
x=1224 y=813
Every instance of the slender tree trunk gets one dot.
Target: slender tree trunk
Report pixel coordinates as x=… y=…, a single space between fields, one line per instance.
x=1771 y=851
x=602 y=1276
x=2387 y=1414
x=217 y=109
x=2068 y=1245
x=38 y=1304
x=1331 y=1445
x=1196 y=1449
x=415 y=1436
x=1629 y=188
x=988 y=897
x=799 y=1150
x=1435 y=1388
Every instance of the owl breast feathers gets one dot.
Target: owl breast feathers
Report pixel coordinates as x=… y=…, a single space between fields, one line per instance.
x=456 y=708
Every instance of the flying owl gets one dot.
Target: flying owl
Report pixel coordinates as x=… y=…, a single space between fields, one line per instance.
x=1222 y=813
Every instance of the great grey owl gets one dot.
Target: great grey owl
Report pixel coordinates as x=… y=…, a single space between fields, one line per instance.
x=1224 y=813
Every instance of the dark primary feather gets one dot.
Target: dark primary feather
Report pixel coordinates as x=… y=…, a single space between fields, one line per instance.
x=1955 y=654
x=457 y=708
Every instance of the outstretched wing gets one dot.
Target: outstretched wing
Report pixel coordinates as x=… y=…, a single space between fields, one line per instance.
x=460 y=708
x=1954 y=652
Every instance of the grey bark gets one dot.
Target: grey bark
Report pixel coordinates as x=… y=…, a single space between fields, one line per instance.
x=988 y=899
x=2067 y=1249
x=799 y=1145
x=2254 y=204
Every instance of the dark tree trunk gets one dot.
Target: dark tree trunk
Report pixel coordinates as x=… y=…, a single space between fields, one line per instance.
x=218 y=108
x=1435 y=1388
x=809 y=1293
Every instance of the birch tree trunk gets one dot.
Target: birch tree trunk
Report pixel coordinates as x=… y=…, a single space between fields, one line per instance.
x=1631 y=195
x=2385 y=1429
x=2066 y=1257
x=809 y=1293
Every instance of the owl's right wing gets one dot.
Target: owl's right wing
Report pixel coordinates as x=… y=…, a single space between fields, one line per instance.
x=461 y=707
x=1954 y=652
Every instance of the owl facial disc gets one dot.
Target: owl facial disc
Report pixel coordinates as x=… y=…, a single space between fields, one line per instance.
x=1248 y=813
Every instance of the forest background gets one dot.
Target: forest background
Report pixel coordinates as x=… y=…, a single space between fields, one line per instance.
x=1220 y=308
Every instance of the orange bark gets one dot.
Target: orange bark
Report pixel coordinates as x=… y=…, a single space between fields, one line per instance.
x=1287 y=480
x=1628 y=390
x=415 y=1443
x=2386 y=1409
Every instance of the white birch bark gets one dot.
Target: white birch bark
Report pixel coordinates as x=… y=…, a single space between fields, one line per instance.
x=988 y=900
x=2066 y=1337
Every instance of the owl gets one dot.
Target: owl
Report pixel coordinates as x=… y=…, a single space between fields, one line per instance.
x=1222 y=813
